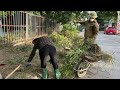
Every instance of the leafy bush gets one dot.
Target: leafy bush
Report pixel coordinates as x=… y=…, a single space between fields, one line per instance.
x=69 y=30
x=70 y=34
x=70 y=59
x=60 y=40
x=69 y=27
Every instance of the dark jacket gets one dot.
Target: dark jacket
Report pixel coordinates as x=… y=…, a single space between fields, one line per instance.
x=91 y=28
x=39 y=43
x=42 y=41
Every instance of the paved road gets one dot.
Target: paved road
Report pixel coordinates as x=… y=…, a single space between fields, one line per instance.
x=101 y=70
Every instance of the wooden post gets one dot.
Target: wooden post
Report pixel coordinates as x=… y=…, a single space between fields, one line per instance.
x=27 y=26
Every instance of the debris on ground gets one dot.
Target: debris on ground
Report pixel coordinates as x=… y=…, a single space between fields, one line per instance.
x=95 y=54
x=2 y=64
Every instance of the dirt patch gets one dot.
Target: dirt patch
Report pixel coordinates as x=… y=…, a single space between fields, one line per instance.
x=13 y=56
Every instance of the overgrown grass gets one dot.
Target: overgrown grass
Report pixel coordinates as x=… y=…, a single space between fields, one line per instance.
x=20 y=48
x=19 y=55
x=17 y=60
x=68 y=59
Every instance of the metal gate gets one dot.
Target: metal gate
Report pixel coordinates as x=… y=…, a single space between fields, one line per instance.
x=16 y=26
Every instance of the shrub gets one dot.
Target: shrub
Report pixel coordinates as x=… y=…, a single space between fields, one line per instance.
x=60 y=40
x=69 y=30
x=71 y=59
x=69 y=27
x=71 y=34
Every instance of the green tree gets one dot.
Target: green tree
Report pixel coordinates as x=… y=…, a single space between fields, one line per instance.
x=5 y=13
x=62 y=16
x=107 y=15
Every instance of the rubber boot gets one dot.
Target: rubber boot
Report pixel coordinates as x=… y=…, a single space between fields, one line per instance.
x=44 y=73
x=57 y=74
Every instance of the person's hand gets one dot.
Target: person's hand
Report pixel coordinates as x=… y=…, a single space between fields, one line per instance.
x=28 y=64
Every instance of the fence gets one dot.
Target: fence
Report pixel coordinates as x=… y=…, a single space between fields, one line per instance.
x=16 y=26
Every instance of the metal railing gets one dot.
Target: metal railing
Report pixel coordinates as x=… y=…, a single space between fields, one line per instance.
x=16 y=26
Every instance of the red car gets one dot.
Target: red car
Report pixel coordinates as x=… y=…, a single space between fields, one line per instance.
x=110 y=30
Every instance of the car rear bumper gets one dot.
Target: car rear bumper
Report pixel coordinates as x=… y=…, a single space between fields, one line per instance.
x=111 y=33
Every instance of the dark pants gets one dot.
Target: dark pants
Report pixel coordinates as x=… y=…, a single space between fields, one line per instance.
x=44 y=52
